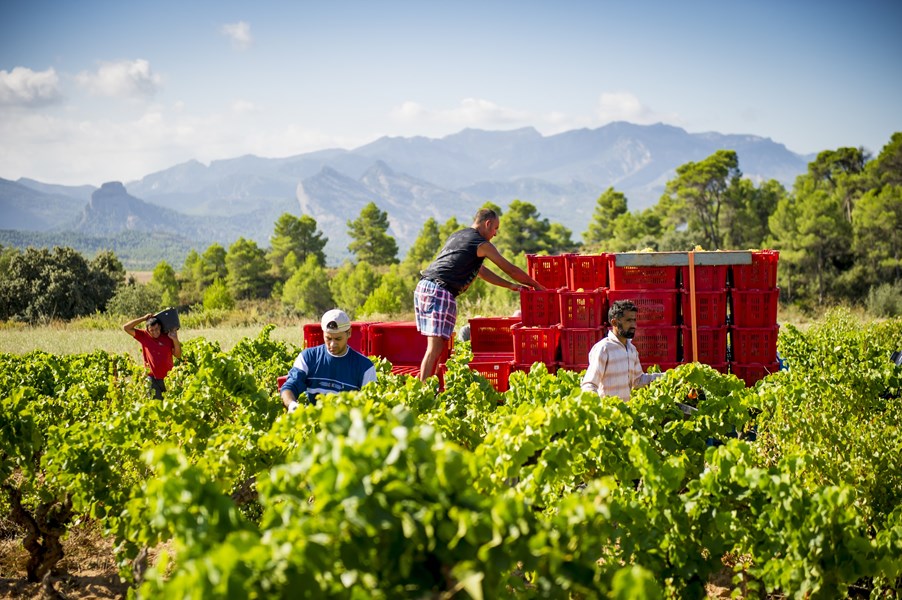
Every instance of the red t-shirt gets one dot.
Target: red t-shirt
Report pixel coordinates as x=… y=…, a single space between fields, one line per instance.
x=157 y=352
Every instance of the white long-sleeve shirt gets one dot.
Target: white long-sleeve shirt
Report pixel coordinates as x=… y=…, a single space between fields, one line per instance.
x=614 y=369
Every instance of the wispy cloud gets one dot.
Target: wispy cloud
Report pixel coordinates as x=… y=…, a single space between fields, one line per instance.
x=471 y=112
x=126 y=78
x=239 y=33
x=624 y=106
x=24 y=87
x=243 y=107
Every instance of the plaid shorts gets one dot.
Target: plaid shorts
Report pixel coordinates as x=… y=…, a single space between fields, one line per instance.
x=435 y=308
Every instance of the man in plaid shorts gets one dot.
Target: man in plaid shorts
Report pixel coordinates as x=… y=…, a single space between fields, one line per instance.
x=458 y=263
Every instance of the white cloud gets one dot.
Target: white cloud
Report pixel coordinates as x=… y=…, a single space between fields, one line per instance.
x=472 y=112
x=125 y=78
x=239 y=33
x=624 y=106
x=25 y=87
x=243 y=107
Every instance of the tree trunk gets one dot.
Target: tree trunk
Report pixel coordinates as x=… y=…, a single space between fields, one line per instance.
x=43 y=531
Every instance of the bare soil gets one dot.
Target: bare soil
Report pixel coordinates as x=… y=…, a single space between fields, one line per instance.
x=89 y=572
x=88 y=569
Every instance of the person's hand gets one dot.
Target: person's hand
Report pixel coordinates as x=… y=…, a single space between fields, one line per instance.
x=173 y=333
x=292 y=406
x=147 y=316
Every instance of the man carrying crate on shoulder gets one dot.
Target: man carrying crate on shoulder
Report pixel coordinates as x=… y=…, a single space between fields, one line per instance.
x=329 y=368
x=458 y=263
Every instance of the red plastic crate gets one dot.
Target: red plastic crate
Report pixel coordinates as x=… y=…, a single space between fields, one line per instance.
x=536 y=344
x=583 y=309
x=550 y=271
x=754 y=308
x=752 y=373
x=657 y=345
x=496 y=371
x=707 y=277
x=640 y=278
x=281 y=381
x=656 y=307
x=576 y=343
x=586 y=271
x=313 y=336
x=712 y=345
x=710 y=308
x=552 y=367
x=539 y=308
x=492 y=334
x=400 y=343
x=760 y=275
x=412 y=370
x=754 y=344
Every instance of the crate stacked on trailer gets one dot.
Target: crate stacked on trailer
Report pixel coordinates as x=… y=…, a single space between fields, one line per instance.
x=584 y=308
x=654 y=290
x=704 y=314
x=753 y=317
x=562 y=323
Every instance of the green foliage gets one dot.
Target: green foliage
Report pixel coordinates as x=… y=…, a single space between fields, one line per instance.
x=841 y=392
x=307 y=291
x=41 y=285
x=393 y=295
x=352 y=284
x=704 y=197
x=107 y=275
x=218 y=297
x=164 y=280
x=247 y=270
x=133 y=299
x=610 y=205
x=405 y=490
x=522 y=231
x=877 y=229
x=423 y=249
x=370 y=240
x=885 y=300
x=297 y=237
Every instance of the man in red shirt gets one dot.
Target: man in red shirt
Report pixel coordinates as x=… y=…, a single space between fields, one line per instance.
x=158 y=349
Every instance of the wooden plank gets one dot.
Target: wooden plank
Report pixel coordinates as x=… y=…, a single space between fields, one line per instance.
x=681 y=259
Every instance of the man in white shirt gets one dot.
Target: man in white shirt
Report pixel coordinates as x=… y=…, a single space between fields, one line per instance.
x=614 y=367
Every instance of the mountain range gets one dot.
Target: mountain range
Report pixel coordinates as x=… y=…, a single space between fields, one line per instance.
x=192 y=205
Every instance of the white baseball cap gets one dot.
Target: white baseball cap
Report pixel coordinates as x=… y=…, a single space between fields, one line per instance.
x=335 y=320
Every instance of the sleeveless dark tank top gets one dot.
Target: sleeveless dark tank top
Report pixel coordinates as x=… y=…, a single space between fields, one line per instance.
x=457 y=263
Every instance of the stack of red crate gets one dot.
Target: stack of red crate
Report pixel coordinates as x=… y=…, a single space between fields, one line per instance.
x=654 y=290
x=753 y=317
x=492 y=344
x=708 y=315
x=563 y=322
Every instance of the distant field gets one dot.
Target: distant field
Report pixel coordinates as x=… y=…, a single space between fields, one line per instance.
x=60 y=340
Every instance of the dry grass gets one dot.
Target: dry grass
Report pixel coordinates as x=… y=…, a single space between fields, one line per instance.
x=60 y=339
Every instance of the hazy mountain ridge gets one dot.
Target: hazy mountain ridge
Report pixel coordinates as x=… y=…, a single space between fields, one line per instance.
x=410 y=178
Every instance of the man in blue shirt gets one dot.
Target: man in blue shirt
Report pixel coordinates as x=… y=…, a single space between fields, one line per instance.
x=329 y=368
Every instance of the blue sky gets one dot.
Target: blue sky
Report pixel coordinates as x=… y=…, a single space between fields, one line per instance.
x=95 y=91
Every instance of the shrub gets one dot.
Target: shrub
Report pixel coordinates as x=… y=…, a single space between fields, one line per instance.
x=133 y=299
x=885 y=300
x=218 y=297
